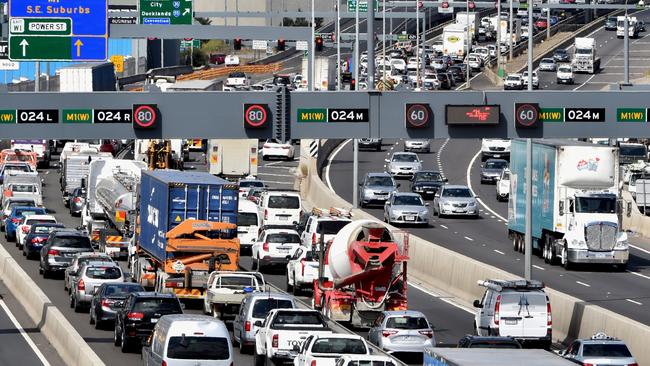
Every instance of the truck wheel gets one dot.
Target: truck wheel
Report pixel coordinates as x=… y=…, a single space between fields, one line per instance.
x=515 y=243
x=565 y=259
x=259 y=360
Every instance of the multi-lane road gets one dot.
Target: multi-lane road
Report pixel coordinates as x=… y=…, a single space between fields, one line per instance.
x=486 y=239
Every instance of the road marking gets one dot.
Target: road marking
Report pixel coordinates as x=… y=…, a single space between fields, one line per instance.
x=639 y=274
x=443 y=226
x=500 y=252
x=277 y=167
x=276 y=182
x=634 y=302
x=441 y=298
x=276 y=175
x=329 y=163
x=272 y=164
x=439 y=155
x=22 y=332
x=639 y=248
x=468 y=238
x=469 y=184
x=583 y=284
x=538 y=267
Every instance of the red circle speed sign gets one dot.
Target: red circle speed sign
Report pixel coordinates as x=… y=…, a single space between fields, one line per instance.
x=255 y=115
x=145 y=116
x=417 y=115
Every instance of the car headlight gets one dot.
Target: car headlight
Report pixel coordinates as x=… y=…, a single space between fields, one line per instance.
x=472 y=204
x=446 y=204
x=424 y=213
x=579 y=244
x=418 y=189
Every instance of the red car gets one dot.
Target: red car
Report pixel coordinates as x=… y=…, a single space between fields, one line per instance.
x=217 y=58
x=541 y=23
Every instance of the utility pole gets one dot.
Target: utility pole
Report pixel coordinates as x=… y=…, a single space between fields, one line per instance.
x=338 y=45
x=383 y=43
x=370 y=43
x=530 y=45
x=357 y=54
x=498 y=38
x=528 y=238
x=626 y=49
x=312 y=51
x=509 y=32
x=417 y=45
x=468 y=83
x=548 y=23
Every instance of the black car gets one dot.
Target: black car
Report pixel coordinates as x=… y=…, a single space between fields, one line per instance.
x=443 y=78
x=458 y=73
x=427 y=183
x=561 y=55
x=109 y=299
x=62 y=245
x=374 y=144
x=136 y=320
x=610 y=23
x=77 y=201
x=37 y=237
x=473 y=341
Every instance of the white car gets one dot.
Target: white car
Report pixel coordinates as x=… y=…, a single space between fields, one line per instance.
x=275 y=245
x=503 y=185
x=280 y=207
x=484 y=52
x=547 y=64
x=232 y=60
x=236 y=80
x=524 y=77
x=565 y=74
x=513 y=81
x=475 y=62
x=277 y=149
x=398 y=64
x=366 y=360
x=493 y=50
x=23 y=229
x=302 y=270
x=324 y=349
x=412 y=63
x=323 y=224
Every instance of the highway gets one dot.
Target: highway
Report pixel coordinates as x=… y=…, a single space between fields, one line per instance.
x=486 y=239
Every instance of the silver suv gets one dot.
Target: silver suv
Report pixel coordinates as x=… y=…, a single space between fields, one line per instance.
x=78 y=261
x=61 y=248
x=376 y=188
x=600 y=349
x=89 y=277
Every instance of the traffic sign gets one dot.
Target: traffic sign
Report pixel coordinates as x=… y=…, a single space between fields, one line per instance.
x=61 y=30
x=187 y=43
x=5 y=64
x=37 y=116
x=526 y=115
x=363 y=5
x=112 y=115
x=472 y=114
x=584 y=114
x=256 y=116
x=631 y=115
x=418 y=115
x=333 y=115
x=77 y=116
x=259 y=45
x=302 y=46
x=118 y=62
x=145 y=116
x=166 y=12
x=551 y=114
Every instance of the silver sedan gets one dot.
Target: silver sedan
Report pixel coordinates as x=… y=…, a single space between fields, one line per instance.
x=403 y=164
x=402 y=331
x=422 y=145
x=455 y=200
x=406 y=208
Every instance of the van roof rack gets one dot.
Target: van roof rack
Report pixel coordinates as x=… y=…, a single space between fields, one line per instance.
x=602 y=336
x=499 y=285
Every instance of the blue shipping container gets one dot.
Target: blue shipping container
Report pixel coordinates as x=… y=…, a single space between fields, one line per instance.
x=544 y=164
x=169 y=197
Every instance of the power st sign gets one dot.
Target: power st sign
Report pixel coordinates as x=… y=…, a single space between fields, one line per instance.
x=58 y=30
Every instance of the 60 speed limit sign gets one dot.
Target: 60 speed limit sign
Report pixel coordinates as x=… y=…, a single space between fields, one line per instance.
x=526 y=115
x=256 y=116
x=418 y=115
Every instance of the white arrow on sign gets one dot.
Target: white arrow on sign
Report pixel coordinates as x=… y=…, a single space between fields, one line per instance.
x=24 y=43
x=186 y=11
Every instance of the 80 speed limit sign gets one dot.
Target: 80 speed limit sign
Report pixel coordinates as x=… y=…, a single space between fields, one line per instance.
x=256 y=116
x=145 y=116
x=418 y=115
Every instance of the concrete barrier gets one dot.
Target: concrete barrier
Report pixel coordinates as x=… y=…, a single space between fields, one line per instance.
x=456 y=275
x=70 y=346
x=632 y=218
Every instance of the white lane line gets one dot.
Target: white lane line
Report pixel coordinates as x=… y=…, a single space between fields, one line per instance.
x=439 y=157
x=24 y=334
x=329 y=163
x=538 y=267
x=276 y=182
x=277 y=167
x=500 y=252
x=634 y=302
x=639 y=248
x=276 y=175
x=468 y=238
x=441 y=298
x=639 y=274
x=443 y=226
x=469 y=184
x=273 y=163
x=583 y=284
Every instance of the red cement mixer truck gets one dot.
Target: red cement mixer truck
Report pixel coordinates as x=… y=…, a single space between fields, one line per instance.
x=365 y=267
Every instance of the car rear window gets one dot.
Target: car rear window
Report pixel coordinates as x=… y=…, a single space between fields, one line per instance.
x=122 y=291
x=23 y=188
x=407 y=322
x=72 y=242
x=247 y=219
x=523 y=300
x=44 y=229
x=22 y=203
x=263 y=306
x=94 y=259
x=369 y=363
x=158 y=305
x=103 y=273
x=287 y=202
x=236 y=281
x=198 y=348
x=331 y=227
x=605 y=350
x=39 y=221
x=283 y=238
x=253 y=183
x=298 y=318
x=340 y=346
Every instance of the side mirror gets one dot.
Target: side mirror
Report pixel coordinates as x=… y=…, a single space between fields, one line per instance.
x=477 y=196
x=426 y=204
x=398 y=185
x=445 y=179
x=258 y=323
x=477 y=304
x=360 y=184
x=182 y=306
x=561 y=208
x=387 y=160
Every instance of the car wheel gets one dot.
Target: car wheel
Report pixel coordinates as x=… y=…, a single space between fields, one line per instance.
x=289 y=286
x=242 y=348
x=116 y=339
x=72 y=302
x=565 y=259
x=259 y=360
x=125 y=344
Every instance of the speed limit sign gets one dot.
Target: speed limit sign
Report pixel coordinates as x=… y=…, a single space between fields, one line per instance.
x=526 y=115
x=418 y=115
x=256 y=116
x=145 y=116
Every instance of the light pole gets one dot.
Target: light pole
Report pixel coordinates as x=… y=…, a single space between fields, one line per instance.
x=357 y=55
x=313 y=48
x=530 y=45
x=509 y=31
x=468 y=83
x=338 y=45
x=383 y=43
x=626 y=48
x=548 y=23
x=498 y=45
x=417 y=45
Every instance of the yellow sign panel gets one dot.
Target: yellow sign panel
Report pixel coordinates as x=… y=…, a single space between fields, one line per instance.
x=178 y=218
x=118 y=61
x=453 y=39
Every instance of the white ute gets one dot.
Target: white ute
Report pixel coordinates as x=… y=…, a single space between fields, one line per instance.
x=226 y=290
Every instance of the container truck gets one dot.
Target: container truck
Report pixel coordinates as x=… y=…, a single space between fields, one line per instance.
x=469 y=18
x=232 y=158
x=575 y=198
x=186 y=229
x=324 y=72
x=454 y=41
x=585 y=58
x=439 y=356
x=87 y=77
x=365 y=265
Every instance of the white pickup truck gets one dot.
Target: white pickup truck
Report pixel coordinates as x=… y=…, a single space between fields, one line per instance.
x=325 y=350
x=283 y=331
x=226 y=290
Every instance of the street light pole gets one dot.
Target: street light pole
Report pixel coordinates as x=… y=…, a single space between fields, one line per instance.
x=509 y=31
x=357 y=55
x=417 y=44
x=469 y=45
x=383 y=43
x=530 y=45
x=626 y=49
x=370 y=42
x=498 y=45
x=548 y=23
x=338 y=45
x=313 y=49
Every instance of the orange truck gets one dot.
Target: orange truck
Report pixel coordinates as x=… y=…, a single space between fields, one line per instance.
x=9 y=155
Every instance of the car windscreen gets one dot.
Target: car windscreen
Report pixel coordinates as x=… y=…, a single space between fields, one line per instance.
x=286 y=202
x=103 y=273
x=251 y=183
x=198 y=348
x=331 y=227
x=247 y=219
x=595 y=205
x=298 y=318
x=435 y=177
x=121 y=290
x=408 y=201
x=339 y=346
x=380 y=181
x=605 y=350
x=496 y=164
x=407 y=322
x=44 y=229
x=158 y=305
x=456 y=192
x=23 y=188
x=405 y=158
x=17 y=168
x=283 y=238
x=78 y=242
x=263 y=306
x=632 y=150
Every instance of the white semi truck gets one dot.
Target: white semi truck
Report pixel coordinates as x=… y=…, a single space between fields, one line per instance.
x=232 y=158
x=585 y=57
x=632 y=27
x=454 y=41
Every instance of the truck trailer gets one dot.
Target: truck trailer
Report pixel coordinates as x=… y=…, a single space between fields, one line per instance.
x=575 y=200
x=454 y=41
x=229 y=158
x=439 y=356
x=187 y=228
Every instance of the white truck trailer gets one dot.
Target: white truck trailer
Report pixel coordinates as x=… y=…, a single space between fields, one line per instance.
x=585 y=57
x=232 y=158
x=454 y=41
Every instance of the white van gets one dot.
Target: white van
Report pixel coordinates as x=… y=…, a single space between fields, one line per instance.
x=188 y=340
x=519 y=309
x=281 y=207
x=249 y=222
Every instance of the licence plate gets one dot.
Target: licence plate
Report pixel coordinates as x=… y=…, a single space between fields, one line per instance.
x=497 y=155
x=459 y=210
x=283 y=218
x=410 y=218
x=429 y=192
x=601 y=255
x=283 y=250
x=511 y=322
x=154 y=320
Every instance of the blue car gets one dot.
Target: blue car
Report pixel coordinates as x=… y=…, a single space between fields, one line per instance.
x=13 y=220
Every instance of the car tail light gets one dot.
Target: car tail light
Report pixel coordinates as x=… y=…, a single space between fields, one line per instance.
x=313 y=363
x=25 y=229
x=265 y=246
x=302 y=264
x=633 y=364
x=286 y=147
x=81 y=285
x=549 y=318
x=53 y=252
x=497 y=306
x=247 y=326
x=266 y=214
x=164 y=363
x=38 y=240
x=428 y=333
x=135 y=316
x=107 y=303
x=387 y=333
x=267 y=146
x=77 y=200
x=15 y=220
x=587 y=364
x=275 y=341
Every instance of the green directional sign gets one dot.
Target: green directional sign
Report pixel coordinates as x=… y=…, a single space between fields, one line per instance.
x=196 y=43
x=77 y=116
x=48 y=26
x=312 y=115
x=41 y=48
x=363 y=6
x=7 y=116
x=551 y=114
x=166 y=12
x=631 y=114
